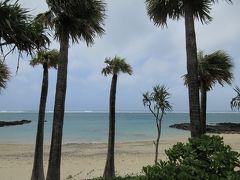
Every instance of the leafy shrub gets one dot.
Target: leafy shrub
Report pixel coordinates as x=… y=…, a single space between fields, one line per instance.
x=201 y=158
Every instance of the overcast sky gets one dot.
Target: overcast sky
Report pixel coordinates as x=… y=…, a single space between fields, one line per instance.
x=157 y=56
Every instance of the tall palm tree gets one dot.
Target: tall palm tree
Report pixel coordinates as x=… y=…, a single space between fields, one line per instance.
x=159 y=11
x=78 y=20
x=212 y=69
x=4 y=75
x=48 y=59
x=18 y=30
x=114 y=67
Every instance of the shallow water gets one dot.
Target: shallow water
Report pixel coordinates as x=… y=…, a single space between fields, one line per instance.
x=92 y=127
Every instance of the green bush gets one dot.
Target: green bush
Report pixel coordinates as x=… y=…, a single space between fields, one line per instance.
x=201 y=158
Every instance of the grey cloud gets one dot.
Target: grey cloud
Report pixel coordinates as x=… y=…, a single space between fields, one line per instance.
x=157 y=56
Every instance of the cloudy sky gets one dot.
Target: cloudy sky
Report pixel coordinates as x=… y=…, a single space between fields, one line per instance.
x=157 y=56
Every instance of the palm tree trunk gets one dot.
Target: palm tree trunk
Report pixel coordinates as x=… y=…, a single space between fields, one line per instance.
x=203 y=107
x=38 y=171
x=59 y=108
x=109 y=171
x=192 y=69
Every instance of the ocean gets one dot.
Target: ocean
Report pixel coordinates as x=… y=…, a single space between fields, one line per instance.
x=92 y=127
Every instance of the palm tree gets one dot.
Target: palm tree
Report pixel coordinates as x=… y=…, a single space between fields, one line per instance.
x=18 y=30
x=114 y=67
x=4 y=75
x=157 y=102
x=212 y=69
x=48 y=59
x=78 y=20
x=235 y=103
x=159 y=11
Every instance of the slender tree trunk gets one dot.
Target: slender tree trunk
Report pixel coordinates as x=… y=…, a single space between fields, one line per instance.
x=203 y=107
x=192 y=70
x=109 y=171
x=156 y=144
x=159 y=128
x=38 y=170
x=59 y=108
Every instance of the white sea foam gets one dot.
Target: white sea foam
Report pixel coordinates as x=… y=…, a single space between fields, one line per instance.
x=13 y=111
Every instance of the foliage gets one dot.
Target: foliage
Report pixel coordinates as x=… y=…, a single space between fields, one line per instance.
x=160 y=11
x=115 y=66
x=82 y=19
x=18 y=30
x=235 y=102
x=157 y=100
x=4 y=75
x=213 y=68
x=50 y=58
x=201 y=158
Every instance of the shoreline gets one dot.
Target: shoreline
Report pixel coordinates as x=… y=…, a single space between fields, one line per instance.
x=87 y=160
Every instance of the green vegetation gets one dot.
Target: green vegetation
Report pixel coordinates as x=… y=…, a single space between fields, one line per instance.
x=157 y=102
x=213 y=68
x=18 y=30
x=4 y=75
x=114 y=67
x=201 y=158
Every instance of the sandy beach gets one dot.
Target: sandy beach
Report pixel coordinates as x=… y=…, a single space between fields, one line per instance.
x=83 y=161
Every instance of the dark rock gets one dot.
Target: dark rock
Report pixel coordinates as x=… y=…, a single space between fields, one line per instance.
x=225 y=128
x=14 y=123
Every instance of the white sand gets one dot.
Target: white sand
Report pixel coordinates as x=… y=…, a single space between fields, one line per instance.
x=82 y=161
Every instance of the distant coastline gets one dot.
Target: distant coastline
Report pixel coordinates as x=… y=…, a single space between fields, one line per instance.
x=106 y=111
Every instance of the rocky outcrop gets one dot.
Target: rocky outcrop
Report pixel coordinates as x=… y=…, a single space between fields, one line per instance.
x=14 y=123
x=225 y=128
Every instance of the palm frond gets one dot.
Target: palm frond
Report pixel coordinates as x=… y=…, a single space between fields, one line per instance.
x=116 y=65
x=158 y=98
x=82 y=19
x=235 y=102
x=48 y=58
x=213 y=68
x=4 y=75
x=161 y=10
x=17 y=29
x=217 y=68
x=237 y=90
x=146 y=99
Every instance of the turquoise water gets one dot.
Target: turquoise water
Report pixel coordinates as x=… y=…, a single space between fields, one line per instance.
x=89 y=127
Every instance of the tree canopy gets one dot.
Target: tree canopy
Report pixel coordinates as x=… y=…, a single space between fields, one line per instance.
x=214 y=68
x=18 y=30
x=50 y=58
x=161 y=10
x=82 y=19
x=115 y=66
